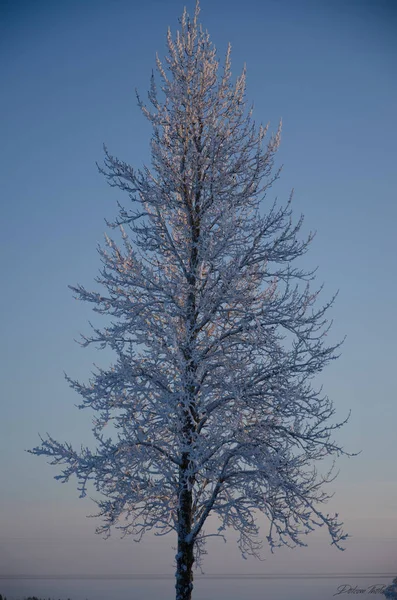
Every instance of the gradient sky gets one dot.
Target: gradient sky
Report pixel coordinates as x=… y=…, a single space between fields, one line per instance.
x=68 y=74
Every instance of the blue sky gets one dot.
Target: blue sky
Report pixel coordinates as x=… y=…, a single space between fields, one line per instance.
x=68 y=76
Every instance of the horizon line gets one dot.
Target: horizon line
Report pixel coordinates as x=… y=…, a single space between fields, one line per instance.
x=133 y=576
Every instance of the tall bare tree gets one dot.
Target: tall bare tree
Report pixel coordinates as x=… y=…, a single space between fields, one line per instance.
x=216 y=331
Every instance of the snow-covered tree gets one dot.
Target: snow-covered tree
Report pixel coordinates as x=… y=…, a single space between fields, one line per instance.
x=391 y=590
x=216 y=330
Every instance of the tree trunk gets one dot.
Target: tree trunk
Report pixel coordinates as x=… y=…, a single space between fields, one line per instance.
x=184 y=573
x=185 y=557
